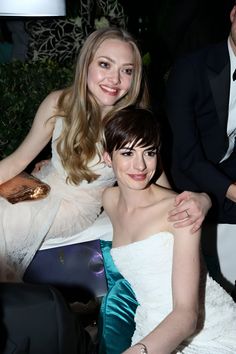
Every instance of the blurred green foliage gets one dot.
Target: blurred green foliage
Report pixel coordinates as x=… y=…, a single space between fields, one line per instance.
x=23 y=86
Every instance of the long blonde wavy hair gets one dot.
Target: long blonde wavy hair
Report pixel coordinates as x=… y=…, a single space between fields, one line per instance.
x=82 y=126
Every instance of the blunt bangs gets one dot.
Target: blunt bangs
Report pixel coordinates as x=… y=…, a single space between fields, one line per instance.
x=133 y=126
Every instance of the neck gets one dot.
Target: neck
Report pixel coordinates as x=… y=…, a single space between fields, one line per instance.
x=133 y=199
x=105 y=110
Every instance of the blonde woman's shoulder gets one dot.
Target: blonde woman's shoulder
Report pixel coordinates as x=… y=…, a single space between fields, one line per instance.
x=50 y=101
x=48 y=109
x=53 y=97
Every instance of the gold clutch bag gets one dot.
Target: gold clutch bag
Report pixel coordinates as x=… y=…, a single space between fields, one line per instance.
x=24 y=187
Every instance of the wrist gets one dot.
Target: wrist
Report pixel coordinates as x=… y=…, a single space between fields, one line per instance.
x=143 y=348
x=206 y=196
x=231 y=192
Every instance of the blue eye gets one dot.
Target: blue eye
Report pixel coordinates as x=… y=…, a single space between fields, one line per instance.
x=128 y=71
x=104 y=64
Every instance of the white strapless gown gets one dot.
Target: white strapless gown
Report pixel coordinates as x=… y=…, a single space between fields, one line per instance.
x=147 y=265
x=66 y=211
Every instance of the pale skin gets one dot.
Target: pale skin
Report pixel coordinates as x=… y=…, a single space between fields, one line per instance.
x=37 y=138
x=133 y=208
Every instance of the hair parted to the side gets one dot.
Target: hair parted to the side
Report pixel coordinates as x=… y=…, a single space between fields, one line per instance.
x=82 y=126
x=135 y=126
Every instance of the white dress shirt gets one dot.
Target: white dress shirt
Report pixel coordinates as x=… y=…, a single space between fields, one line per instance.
x=231 y=125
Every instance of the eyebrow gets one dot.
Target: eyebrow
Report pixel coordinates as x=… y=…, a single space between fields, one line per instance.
x=151 y=148
x=113 y=61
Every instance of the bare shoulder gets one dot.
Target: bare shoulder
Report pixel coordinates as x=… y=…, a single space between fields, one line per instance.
x=167 y=203
x=47 y=110
x=165 y=196
x=164 y=201
x=52 y=98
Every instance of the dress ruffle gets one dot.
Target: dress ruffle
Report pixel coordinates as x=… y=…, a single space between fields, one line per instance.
x=67 y=210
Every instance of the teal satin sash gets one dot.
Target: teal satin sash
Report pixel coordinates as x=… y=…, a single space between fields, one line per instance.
x=116 y=319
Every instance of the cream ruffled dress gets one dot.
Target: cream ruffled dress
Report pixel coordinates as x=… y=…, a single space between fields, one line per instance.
x=66 y=211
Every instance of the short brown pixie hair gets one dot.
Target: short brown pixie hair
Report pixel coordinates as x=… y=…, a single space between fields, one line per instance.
x=136 y=126
x=131 y=125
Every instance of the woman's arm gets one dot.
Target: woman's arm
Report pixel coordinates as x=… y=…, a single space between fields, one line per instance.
x=181 y=321
x=37 y=138
x=190 y=208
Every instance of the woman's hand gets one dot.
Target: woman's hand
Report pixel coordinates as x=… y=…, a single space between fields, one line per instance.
x=39 y=165
x=135 y=349
x=190 y=209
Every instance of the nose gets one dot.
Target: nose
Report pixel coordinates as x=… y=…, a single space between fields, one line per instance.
x=115 y=77
x=139 y=163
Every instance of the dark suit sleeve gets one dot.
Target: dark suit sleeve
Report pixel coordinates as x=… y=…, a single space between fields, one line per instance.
x=190 y=167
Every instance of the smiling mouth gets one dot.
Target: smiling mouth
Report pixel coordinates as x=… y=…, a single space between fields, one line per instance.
x=138 y=177
x=111 y=91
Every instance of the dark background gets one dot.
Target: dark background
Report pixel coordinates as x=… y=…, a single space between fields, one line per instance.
x=169 y=28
